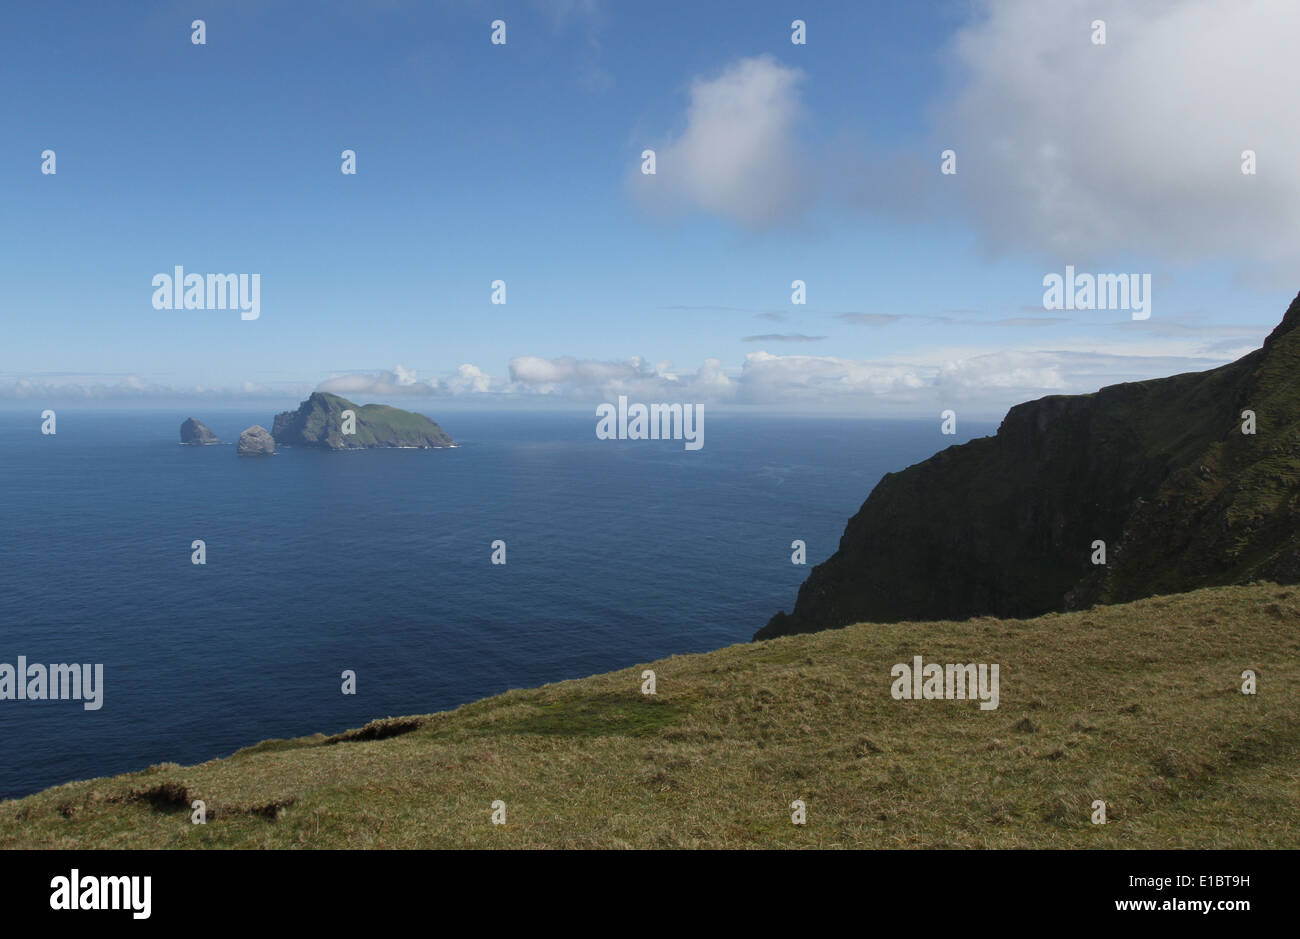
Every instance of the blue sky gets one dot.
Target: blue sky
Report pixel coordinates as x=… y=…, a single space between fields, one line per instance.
x=521 y=161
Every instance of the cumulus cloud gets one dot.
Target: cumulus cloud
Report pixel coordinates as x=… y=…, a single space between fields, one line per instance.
x=738 y=156
x=400 y=381
x=579 y=378
x=1133 y=146
x=986 y=382
x=768 y=379
x=547 y=373
x=404 y=382
x=469 y=379
x=983 y=382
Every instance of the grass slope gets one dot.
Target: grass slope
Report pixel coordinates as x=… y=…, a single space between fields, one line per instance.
x=1138 y=705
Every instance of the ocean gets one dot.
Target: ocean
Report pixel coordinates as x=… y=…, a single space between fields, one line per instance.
x=379 y=562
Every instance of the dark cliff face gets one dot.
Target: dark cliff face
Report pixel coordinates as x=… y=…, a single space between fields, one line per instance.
x=319 y=422
x=1003 y=526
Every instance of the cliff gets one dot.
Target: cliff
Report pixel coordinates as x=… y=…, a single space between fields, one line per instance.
x=1159 y=470
x=319 y=422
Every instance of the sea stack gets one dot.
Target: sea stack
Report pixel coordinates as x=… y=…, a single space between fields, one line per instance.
x=196 y=434
x=256 y=441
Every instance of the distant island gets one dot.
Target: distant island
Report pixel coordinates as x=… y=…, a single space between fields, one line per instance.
x=1142 y=488
x=330 y=422
x=321 y=421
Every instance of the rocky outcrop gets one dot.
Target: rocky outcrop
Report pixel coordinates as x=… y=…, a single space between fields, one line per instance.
x=1183 y=488
x=322 y=421
x=196 y=434
x=256 y=441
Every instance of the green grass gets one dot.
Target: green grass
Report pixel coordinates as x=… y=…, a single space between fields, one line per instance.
x=1138 y=705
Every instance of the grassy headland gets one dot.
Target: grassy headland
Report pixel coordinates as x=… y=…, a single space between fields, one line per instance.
x=1137 y=704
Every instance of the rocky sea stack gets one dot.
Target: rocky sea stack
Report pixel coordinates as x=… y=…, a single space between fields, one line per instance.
x=334 y=423
x=1189 y=481
x=256 y=442
x=196 y=434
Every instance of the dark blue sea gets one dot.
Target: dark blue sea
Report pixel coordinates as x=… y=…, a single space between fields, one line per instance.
x=618 y=552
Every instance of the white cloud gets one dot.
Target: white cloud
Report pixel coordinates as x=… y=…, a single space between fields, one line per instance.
x=1003 y=370
x=469 y=379
x=405 y=382
x=548 y=373
x=979 y=381
x=738 y=156
x=579 y=378
x=1132 y=146
x=766 y=378
x=400 y=381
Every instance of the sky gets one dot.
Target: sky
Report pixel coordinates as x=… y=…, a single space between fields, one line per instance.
x=522 y=162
